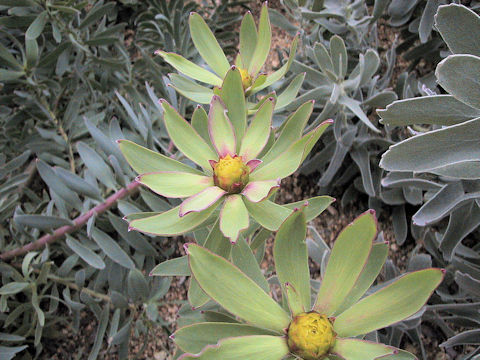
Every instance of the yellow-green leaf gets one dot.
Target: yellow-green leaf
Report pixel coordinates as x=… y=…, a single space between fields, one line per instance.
x=391 y=304
x=235 y=291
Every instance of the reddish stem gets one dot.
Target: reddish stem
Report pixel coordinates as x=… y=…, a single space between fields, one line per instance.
x=77 y=223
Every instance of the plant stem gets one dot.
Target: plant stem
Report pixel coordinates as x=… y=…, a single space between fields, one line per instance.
x=77 y=223
x=78 y=288
x=62 y=132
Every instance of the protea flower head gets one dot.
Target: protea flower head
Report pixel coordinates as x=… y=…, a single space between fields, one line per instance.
x=332 y=327
x=310 y=335
x=239 y=168
x=253 y=52
x=230 y=173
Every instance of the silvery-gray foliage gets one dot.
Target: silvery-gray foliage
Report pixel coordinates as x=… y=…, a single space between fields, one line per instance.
x=347 y=89
x=416 y=19
x=441 y=163
x=69 y=88
x=318 y=20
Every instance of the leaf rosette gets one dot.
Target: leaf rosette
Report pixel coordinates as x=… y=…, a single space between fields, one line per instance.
x=240 y=169
x=329 y=325
x=254 y=48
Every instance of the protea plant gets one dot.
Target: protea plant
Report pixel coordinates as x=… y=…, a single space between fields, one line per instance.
x=330 y=325
x=254 y=48
x=237 y=169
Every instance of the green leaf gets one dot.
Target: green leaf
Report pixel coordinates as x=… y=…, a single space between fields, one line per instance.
x=245 y=347
x=170 y=223
x=435 y=149
x=356 y=349
x=277 y=75
x=102 y=327
x=6 y=55
x=324 y=61
x=372 y=62
x=201 y=201
x=78 y=184
x=374 y=264
x=31 y=53
x=354 y=106
x=189 y=69
x=96 y=165
x=137 y=285
x=467 y=170
x=143 y=160
x=438 y=110
x=36 y=306
x=339 y=56
x=401 y=355
x=288 y=162
x=290 y=93
x=347 y=260
x=200 y=123
x=235 y=291
x=41 y=221
x=458 y=74
x=172 y=267
x=291 y=256
x=316 y=206
x=294 y=300
x=233 y=217
x=134 y=239
x=452 y=21
x=37 y=26
x=207 y=46
x=271 y=215
x=267 y=213
x=243 y=257
x=13 y=288
x=9 y=75
x=291 y=131
x=391 y=304
x=218 y=244
x=248 y=39
x=186 y=139
x=175 y=184
x=264 y=39
x=9 y=352
x=256 y=191
x=85 y=253
x=112 y=249
x=258 y=132
x=11 y=337
x=57 y=185
x=194 y=338
x=222 y=133
x=233 y=96
x=96 y=13
x=190 y=89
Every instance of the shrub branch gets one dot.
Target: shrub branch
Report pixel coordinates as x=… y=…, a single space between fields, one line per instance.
x=77 y=223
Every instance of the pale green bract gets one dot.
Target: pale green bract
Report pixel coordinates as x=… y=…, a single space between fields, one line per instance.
x=254 y=48
x=264 y=334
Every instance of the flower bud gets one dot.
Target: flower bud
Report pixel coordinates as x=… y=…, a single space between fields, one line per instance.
x=310 y=336
x=246 y=78
x=231 y=174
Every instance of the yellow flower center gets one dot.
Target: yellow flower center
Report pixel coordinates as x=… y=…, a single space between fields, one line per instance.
x=246 y=78
x=310 y=336
x=231 y=174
